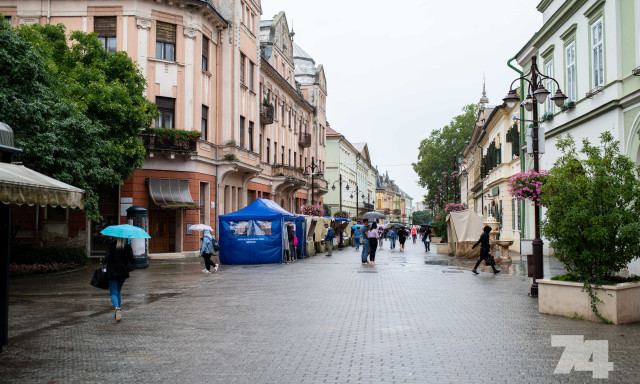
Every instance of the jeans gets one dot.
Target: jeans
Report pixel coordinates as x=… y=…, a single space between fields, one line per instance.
x=380 y=240
x=357 y=243
x=427 y=246
x=207 y=261
x=115 y=290
x=373 y=245
x=393 y=243
x=365 y=249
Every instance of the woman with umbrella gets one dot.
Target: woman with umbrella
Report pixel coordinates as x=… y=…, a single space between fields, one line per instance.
x=120 y=260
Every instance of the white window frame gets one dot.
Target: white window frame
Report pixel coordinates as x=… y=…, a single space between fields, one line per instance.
x=550 y=85
x=570 y=71
x=597 y=54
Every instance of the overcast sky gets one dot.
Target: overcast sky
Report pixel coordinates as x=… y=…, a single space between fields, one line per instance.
x=397 y=70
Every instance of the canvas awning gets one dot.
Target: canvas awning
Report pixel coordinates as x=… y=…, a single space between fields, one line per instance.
x=171 y=193
x=21 y=185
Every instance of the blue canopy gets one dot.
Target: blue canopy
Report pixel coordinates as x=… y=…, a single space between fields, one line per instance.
x=254 y=235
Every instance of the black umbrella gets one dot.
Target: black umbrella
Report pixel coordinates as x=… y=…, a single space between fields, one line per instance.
x=396 y=225
x=373 y=215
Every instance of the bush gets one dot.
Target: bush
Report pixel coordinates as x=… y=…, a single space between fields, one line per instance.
x=440 y=225
x=593 y=211
x=28 y=254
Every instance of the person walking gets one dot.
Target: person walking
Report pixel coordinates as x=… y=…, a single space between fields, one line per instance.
x=119 y=260
x=208 y=249
x=373 y=242
x=356 y=236
x=426 y=239
x=381 y=236
x=414 y=234
x=484 y=249
x=328 y=240
x=291 y=252
x=392 y=238
x=402 y=237
x=364 y=236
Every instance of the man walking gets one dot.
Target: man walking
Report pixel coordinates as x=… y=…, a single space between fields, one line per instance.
x=328 y=240
x=414 y=234
x=364 y=235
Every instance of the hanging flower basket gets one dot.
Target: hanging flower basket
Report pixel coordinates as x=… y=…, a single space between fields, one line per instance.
x=454 y=207
x=527 y=185
x=313 y=210
x=342 y=214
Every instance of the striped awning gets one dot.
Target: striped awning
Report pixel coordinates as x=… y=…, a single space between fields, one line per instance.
x=171 y=193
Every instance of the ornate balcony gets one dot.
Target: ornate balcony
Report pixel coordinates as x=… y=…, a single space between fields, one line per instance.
x=266 y=114
x=288 y=171
x=153 y=144
x=304 y=140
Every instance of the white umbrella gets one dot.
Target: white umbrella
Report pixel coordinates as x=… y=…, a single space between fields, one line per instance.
x=200 y=227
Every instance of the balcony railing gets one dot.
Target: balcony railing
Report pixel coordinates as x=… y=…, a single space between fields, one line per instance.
x=285 y=170
x=304 y=140
x=152 y=144
x=266 y=114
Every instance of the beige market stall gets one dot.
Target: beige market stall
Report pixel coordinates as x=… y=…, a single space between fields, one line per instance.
x=464 y=229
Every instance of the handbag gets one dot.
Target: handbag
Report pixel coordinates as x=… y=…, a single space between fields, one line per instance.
x=490 y=261
x=100 y=279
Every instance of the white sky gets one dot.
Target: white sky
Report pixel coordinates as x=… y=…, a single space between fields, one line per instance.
x=398 y=69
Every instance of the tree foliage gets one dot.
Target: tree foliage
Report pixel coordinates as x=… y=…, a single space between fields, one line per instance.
x=77 y=110
x=436 y=153
x=593 y=209
x=421 y=217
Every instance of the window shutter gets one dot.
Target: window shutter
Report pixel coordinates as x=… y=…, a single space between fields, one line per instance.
x=105 y=26
x=165 y=33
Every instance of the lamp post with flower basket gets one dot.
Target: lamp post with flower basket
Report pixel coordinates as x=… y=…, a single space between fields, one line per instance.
x=536 y=94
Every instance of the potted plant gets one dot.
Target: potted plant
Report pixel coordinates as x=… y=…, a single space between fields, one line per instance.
x=313 y=210
x=527 y=185
x=568 y=105
x=342 y=214
x=593 y=224
x=547 y=116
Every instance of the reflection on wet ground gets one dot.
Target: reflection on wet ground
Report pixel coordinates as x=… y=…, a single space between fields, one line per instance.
x=516 y=267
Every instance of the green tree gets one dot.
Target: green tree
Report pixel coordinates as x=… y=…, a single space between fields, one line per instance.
x=77 y=110
x=437 y=151
x=593 y=209
x=421 y=217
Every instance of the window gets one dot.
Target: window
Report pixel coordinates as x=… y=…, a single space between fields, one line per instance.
x=597 y=54
x=295 y=162
x=251 y=136
x=268 y=157
x=513 y=213
x=166 y=107
x=289 y=158
x=165 y=41
x=251 y=70
x=105 y=28
x=282 y=155
x=301 y=160
x=548 y=70
x=203 y=199
x=570 y=58
x=205 y=54
x=242 y=69
x=275 y=152
x=203 y=122
x=7 y=19
x=241 y=131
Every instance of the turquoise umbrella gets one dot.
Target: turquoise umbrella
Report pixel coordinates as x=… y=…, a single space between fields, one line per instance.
x=126 y=231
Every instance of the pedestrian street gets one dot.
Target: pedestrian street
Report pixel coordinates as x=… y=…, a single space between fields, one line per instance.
x=414 y=317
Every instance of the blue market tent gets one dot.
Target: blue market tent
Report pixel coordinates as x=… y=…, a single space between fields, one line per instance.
x=255 y=235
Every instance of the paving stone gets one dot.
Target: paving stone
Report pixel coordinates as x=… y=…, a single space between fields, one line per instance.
x=418 y=318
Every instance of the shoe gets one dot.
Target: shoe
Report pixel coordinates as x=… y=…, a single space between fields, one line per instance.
x=475 y=272
x=118 y=315
x=215 y=269
x=496 y=272
x=206 y=271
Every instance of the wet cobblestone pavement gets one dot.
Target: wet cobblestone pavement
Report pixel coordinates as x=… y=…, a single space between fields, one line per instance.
x=414 y=317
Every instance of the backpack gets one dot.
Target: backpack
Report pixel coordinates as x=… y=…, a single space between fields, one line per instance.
x=330 y=235
x=295 y=241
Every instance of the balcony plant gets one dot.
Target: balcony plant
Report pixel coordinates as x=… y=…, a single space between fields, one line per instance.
x=230 y=143
x=174 y=137
x=454 y=207
x=593 y=213
x=527 y=185
x=229 y=157
x=313 y=209
x=547 y=116
x=342 y=214
x=568 y=105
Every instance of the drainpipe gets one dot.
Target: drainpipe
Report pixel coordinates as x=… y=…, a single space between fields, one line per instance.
x=522 y=140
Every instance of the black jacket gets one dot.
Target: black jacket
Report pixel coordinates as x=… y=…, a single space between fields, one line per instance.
x=118 y=261
x=484 y=242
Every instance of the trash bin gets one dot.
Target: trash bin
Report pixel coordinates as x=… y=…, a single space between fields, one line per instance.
x=137 y=216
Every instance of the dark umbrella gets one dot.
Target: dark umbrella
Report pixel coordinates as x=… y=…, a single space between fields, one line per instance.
x=374 y=215
x=396 y=225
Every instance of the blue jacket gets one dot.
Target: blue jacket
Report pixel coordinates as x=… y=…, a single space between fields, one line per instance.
x=208 y=243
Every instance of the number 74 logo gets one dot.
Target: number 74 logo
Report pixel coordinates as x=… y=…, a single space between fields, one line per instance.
x=583 y=355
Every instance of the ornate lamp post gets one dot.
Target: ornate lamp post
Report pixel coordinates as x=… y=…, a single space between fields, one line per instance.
x=333 y=188
x=311 y=170
x=536 y=94
x=357 y=195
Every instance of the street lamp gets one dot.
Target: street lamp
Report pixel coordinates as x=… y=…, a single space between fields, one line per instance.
x=333 y=188
x=536 y=93
x=357 y=195
x=313 y=167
